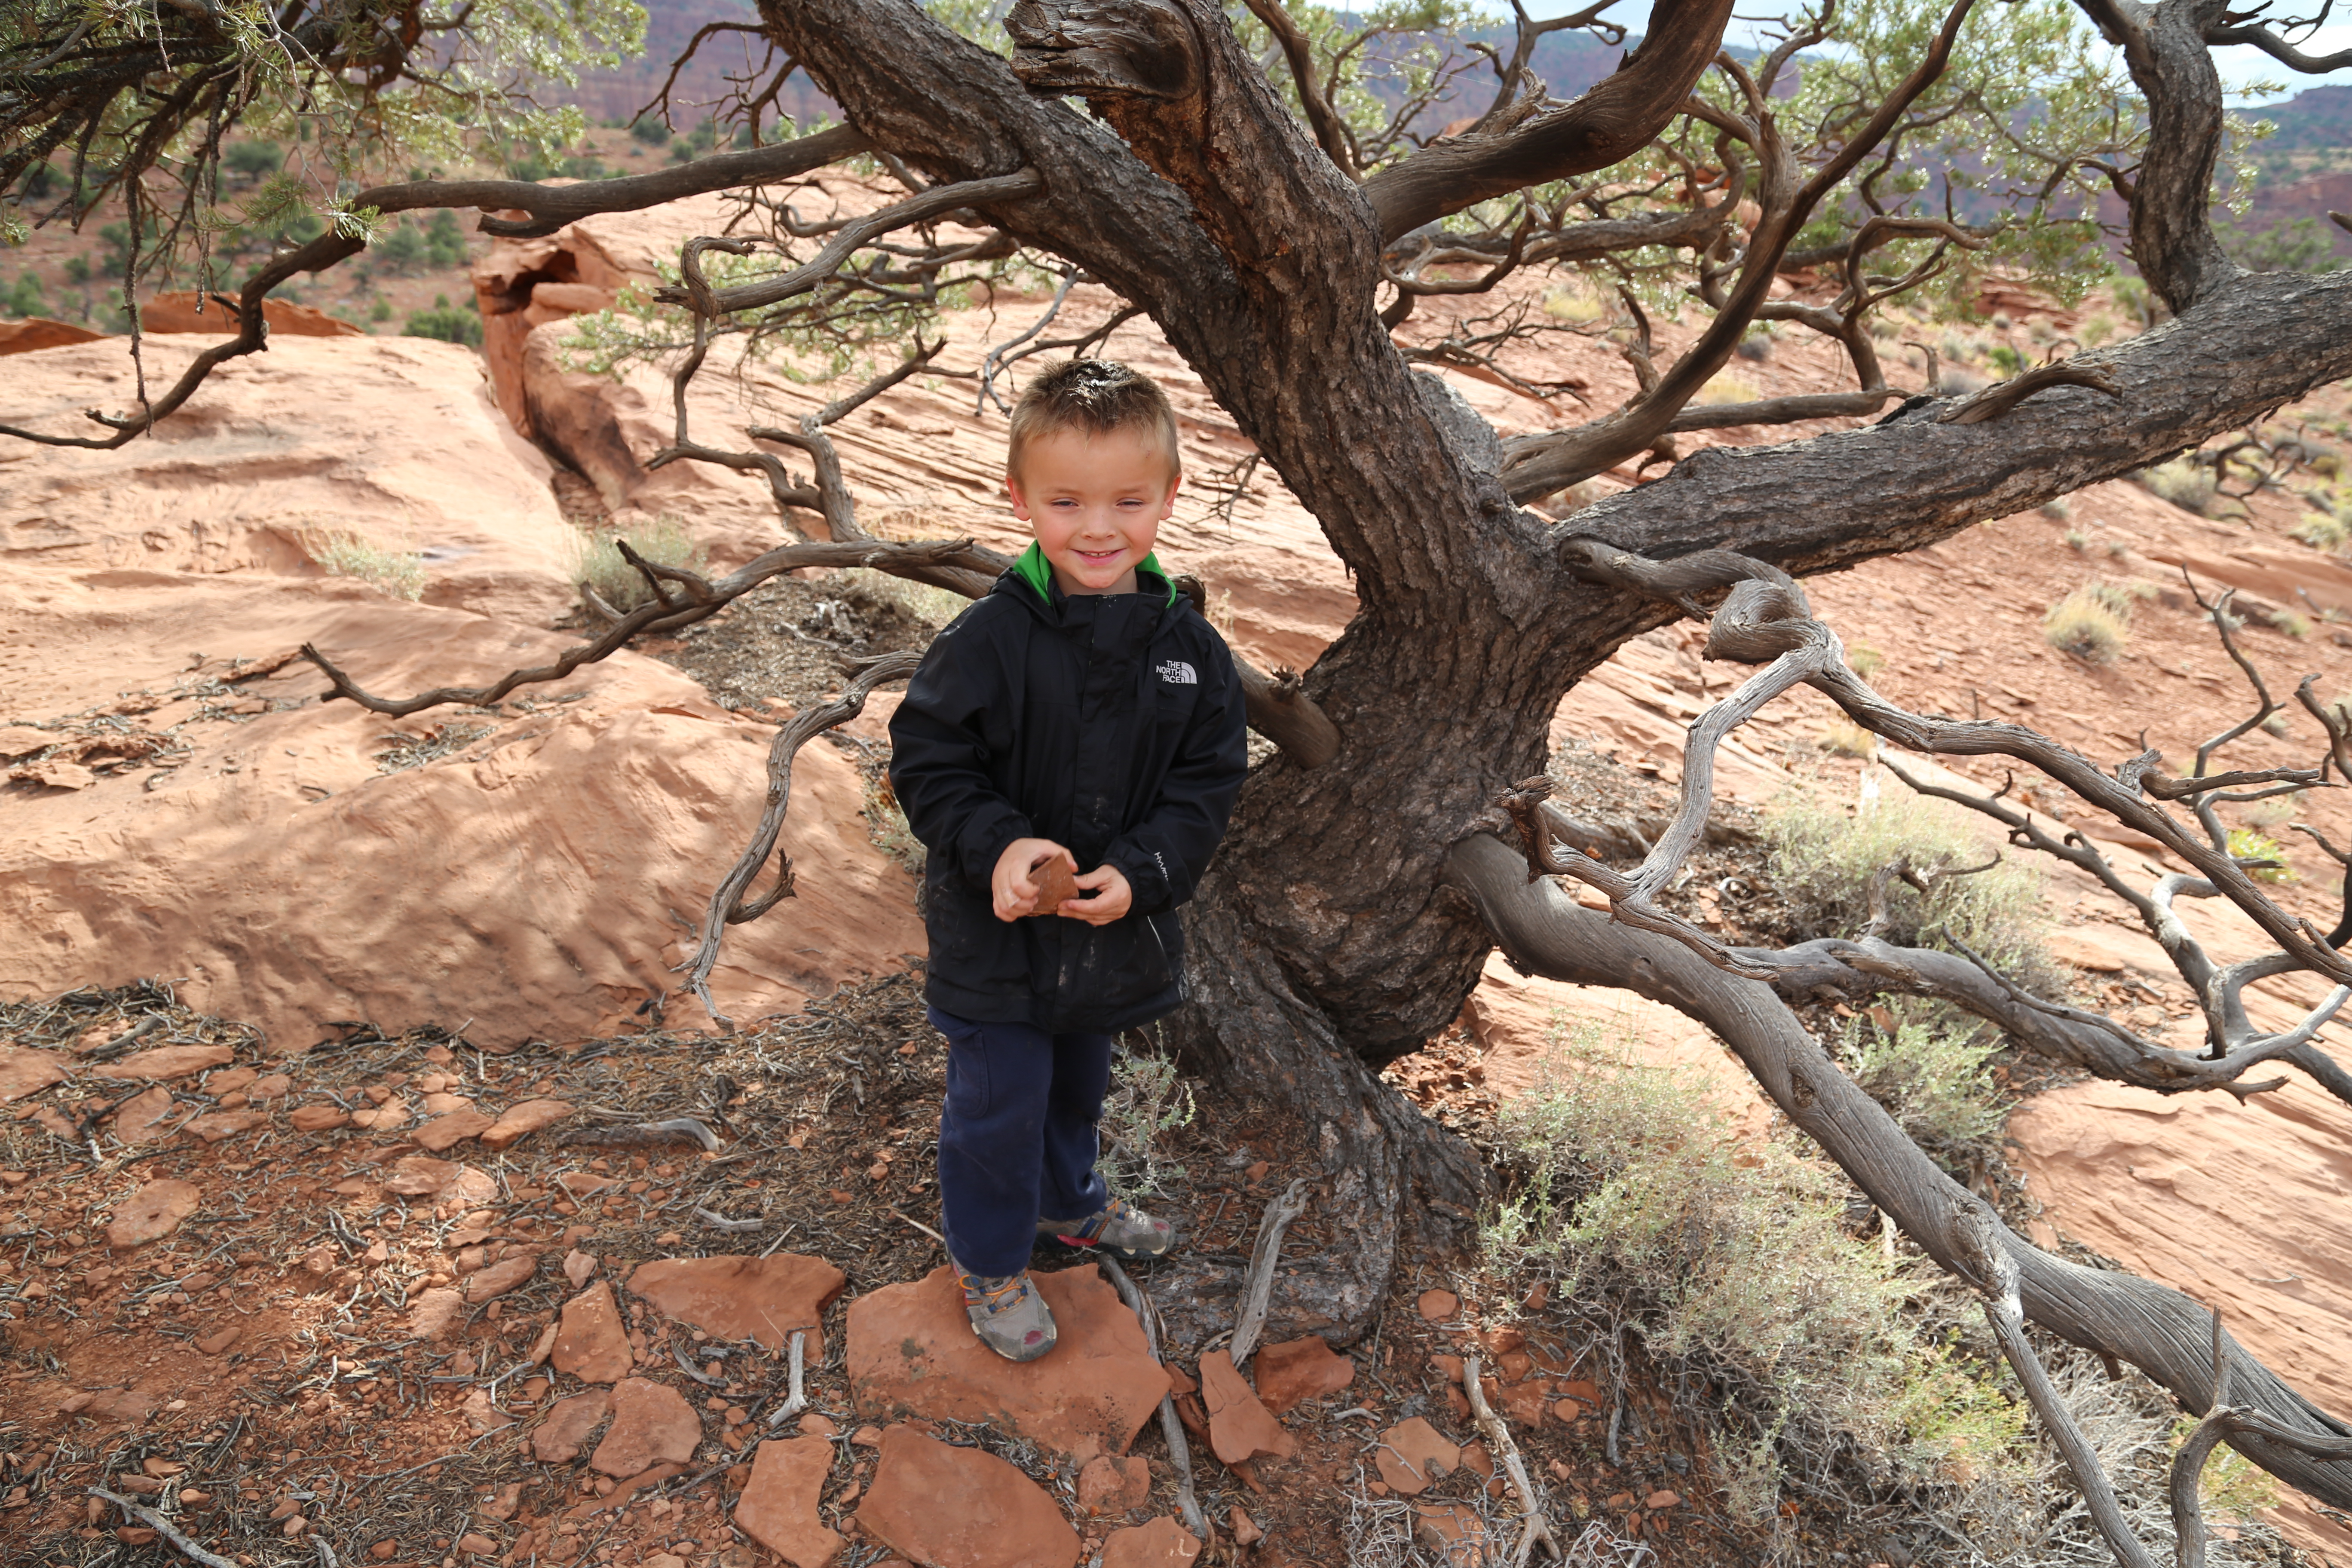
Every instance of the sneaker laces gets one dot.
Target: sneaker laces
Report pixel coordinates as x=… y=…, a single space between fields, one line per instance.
x=992 y=1293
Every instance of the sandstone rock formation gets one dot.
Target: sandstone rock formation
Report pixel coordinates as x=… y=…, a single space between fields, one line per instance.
x=1300 y=1370
x=590 y=1342
x=652 y=1423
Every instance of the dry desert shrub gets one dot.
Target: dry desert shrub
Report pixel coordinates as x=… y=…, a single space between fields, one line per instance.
x=399 y=573
x=599 y=566
x=2086 y=626
x=1824 y=859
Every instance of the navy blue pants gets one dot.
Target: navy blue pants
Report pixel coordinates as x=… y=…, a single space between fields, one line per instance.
x=1016 y=1137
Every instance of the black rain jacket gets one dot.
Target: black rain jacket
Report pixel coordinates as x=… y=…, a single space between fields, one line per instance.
x=1110 y=723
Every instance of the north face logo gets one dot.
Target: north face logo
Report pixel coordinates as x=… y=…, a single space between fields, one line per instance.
x=1176 y=672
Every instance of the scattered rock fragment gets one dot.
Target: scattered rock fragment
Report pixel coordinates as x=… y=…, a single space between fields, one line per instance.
x=1300 y=1370
x=319 y=1117
x=24 y=1070
x=444 y=1131
x=1436 y=1306
x=1240 y=1427
x=480 y=1414
x=938 y=1504
x=419 y=1175
x=214 y=1125
x=154 y=1210
x=166 y=1062
x=1455 y=1532
x=911 y=1349
x=577 y=1266
x=269 y=1086
x=230 y=1080
x=1162 y=1544
x=569 y=1421
x=499 y=1277
x=517 y=1123
x=143 y=1115
x=1411 y=1453
x=213 y=1345
x=589 y=1343
x=1245 y=1528
x=435 y=1311
x=778 y=1507
x=734 y=1298
x=1107 y=1485
x=652 y=1423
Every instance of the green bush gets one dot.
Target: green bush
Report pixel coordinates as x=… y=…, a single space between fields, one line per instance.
x=2323 y=531
x=252 y=160
x=26 y=298
x=1823 y=860
x=599 y=565
x=652 y=132
x=449 y=323
x=2245 y=844
x=445 y=241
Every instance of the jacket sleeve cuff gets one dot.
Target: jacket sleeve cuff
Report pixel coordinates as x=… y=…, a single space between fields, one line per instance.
x=1146 y=880
x=985 y=837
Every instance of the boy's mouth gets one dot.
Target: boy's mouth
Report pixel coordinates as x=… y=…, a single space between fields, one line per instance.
x=1100 y=557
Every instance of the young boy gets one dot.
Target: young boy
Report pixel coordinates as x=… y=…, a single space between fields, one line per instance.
x=1080 y=724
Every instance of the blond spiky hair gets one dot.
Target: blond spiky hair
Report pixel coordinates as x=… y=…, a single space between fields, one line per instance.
x=1098 y=396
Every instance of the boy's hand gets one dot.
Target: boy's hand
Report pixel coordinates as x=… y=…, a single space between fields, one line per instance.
x=1112 y=897
x=1022 y=873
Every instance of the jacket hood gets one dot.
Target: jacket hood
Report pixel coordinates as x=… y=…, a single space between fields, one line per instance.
x=1035 y=570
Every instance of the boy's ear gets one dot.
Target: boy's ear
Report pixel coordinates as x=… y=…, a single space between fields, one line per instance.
x=1013 y=489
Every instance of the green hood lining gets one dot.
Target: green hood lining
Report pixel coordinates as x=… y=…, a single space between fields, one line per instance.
x=1038 y=573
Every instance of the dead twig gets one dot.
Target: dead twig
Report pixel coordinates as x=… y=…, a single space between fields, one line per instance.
x=677 y=1127
x=1172 y=1429
x=1257 y=1287
x=796 y=1400
x=720 y=1222
x=162 y=1527
x=1499 y=1442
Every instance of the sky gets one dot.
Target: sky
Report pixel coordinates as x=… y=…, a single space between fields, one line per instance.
x=2240 y=66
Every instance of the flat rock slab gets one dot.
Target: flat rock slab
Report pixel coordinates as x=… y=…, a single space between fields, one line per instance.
x=913 y=1351
x=777 y=1505
x=763 y=1298
x=500 y=1278
x=166 y=1061
x=652 y=1423
x=946 y=1507
x=1240 y=1427
x=154 y=1210
x=1107 y=1486
x=1300 y=1370
x=1412 y=1453
x=24 y=1070
x=444 y=1131
x=1162 y=1544
x=143 y=1115
x=590 y=1342
x=559 y=1437
x=517 y=1123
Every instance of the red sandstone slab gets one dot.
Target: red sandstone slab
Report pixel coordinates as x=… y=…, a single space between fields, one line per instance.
x=913 y=1351
x=942 y=1506
x=763 y=1298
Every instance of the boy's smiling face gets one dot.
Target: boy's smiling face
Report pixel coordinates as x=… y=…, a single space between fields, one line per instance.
x=1095 y=503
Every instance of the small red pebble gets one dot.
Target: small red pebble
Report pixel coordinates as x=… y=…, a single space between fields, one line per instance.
x=134 y=1535
x=1661 y=1499
x=382 y=1550
x=867 y=1437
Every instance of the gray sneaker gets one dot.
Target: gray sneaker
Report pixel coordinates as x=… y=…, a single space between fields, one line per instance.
x=1119 y=1228
x=1008 y=1314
